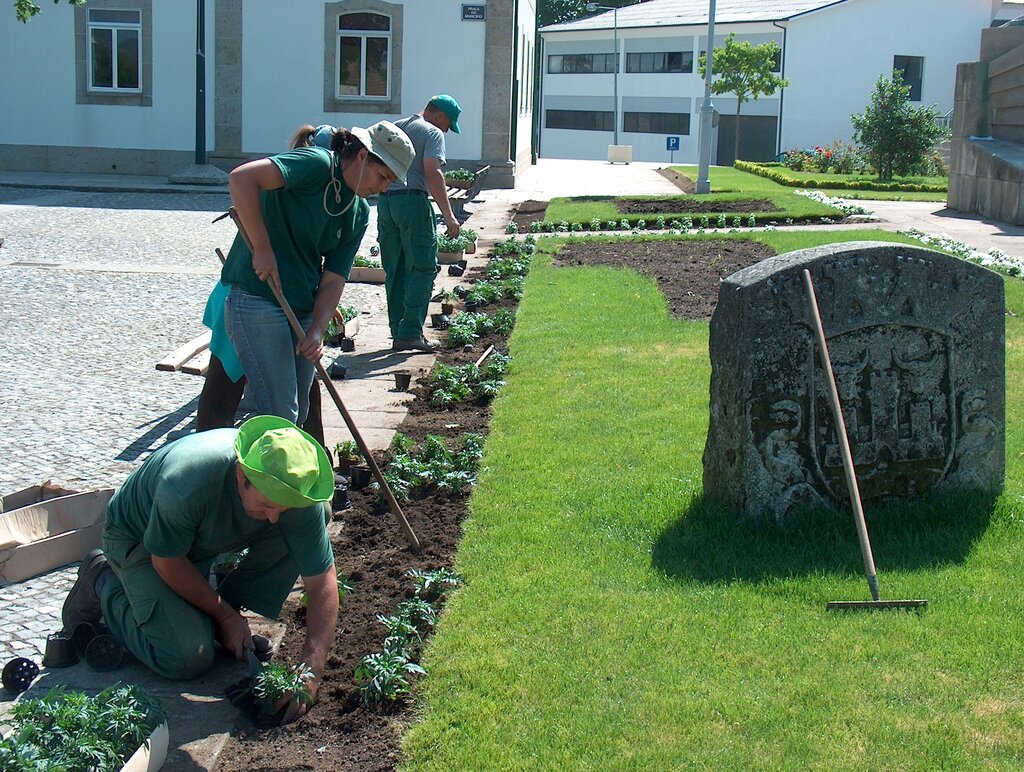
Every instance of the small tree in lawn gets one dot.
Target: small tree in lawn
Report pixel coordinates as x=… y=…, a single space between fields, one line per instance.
x=744 y=70
x=894 y=135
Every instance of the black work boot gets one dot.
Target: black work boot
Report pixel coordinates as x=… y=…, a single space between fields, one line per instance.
x=83 y=602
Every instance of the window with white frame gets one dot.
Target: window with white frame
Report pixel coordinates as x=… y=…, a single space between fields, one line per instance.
x=114 y=39
x=363 y=56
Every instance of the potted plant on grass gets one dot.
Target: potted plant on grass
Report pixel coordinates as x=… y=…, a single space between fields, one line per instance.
x=449 y=250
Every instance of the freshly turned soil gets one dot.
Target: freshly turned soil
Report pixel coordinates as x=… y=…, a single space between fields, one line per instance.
x=339 y=732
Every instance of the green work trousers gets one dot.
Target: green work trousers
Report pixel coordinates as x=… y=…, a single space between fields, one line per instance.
x=408 y=254
x=163 y=630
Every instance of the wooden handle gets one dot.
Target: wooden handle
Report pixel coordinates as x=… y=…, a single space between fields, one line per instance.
x=844 y=443
x=410 y=536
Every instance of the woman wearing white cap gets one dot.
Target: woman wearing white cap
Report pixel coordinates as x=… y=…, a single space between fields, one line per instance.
x=305 y=213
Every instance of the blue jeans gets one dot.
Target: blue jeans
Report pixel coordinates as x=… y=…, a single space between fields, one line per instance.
x=265 y=344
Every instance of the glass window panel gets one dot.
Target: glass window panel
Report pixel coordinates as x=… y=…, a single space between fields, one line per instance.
x=377 y=67
x=554 y=64
x=687 y=61
x=632 y=63
x=127 y=58
x=102 y=58
x=114 y=17
x=349 y=80
x=674 y=61
x=364 y=21
x=646 y=62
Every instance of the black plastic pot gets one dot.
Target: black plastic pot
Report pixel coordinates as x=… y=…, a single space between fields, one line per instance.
x=439 y=321
x=348 y=344
x=60 y=651
x=473 y=305
x=336 y=370
x=457 y=269
x=104 y=653
x=340 y=500
x=19 y=674
x=447 y=309
x=80 y=637
x=460 y=291
x=361 y=476
x=402 y=380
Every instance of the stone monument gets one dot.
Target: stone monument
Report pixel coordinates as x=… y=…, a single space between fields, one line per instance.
x=916 y=340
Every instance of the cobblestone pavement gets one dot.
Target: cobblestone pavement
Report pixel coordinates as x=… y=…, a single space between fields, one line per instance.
x=96 y=288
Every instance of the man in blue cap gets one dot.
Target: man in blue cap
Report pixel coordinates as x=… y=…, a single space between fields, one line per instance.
x=260 y=487
x=405 y=224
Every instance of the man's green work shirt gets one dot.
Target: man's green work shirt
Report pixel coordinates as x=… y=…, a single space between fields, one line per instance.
x=183 y=501
x=302 y=234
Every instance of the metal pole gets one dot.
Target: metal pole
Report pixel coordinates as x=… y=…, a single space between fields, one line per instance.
x=615 y=74
x=200 y=82
x=707 y=111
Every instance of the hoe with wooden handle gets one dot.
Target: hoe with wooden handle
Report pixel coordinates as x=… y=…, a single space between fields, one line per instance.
x=876 y=602
x=396 y=510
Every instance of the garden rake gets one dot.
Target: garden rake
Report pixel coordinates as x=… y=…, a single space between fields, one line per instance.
x=396 y=510
x=876 y=602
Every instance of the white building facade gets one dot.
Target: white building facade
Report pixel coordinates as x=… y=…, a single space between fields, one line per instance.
x=833 y=52
x=111 y=86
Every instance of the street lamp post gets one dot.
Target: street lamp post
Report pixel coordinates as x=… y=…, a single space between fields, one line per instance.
x=615 y=64
x=707 y=112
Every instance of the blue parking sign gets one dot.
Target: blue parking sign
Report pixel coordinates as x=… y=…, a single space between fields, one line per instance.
x=671 y=143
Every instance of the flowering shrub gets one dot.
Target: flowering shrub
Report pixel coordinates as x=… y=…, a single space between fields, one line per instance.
x=836 y=158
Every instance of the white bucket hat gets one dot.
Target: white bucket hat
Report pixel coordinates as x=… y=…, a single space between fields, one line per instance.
x=390 y=144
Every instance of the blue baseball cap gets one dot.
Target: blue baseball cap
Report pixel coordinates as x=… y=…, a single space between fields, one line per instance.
x=323 y=135
x=447 y=105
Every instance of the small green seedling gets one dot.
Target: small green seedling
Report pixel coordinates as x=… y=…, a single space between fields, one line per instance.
x=432 y=585
x=383 y=677
x=275 y=680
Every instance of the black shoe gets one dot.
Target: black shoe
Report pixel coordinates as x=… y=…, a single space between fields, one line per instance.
x=83 y=604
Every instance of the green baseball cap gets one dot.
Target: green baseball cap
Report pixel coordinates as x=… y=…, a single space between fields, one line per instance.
x=284 y=463
x=447 y=105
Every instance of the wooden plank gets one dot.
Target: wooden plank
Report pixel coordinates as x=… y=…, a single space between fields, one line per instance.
x=198 y=365
x=182 y=354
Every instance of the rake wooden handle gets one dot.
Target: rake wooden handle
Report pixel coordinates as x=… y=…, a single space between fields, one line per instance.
x=844 y=443
x=396 y=510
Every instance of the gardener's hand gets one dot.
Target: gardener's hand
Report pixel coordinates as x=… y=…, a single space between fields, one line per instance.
x=452 y=227
x=312 y=346
x=234 y=634
x=264 y=263
x=295 y=708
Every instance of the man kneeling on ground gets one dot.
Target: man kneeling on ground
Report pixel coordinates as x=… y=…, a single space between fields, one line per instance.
x=261 y=487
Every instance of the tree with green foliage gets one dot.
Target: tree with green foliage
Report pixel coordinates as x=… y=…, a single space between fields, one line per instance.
x=558 y=11
x=893 y=135
x=745 y=70
x=26 y=9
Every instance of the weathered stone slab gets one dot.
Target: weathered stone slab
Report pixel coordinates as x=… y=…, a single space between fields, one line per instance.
x=916 y=340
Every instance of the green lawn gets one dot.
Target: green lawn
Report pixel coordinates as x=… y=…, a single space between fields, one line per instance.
x=612 y=619
x=727 y=184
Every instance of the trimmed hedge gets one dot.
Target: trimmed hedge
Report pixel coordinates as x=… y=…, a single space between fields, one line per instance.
x=775 y=172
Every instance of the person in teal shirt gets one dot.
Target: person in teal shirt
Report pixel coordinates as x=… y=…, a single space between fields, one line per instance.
x=261 y=488
x=305 y=214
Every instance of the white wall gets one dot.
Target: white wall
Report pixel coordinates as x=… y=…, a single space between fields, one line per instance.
x=594 y=91
x=37 y=90
x=277 y=100
x=835 y=56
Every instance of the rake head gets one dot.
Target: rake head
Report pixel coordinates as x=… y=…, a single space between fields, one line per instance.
x=876 y=605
